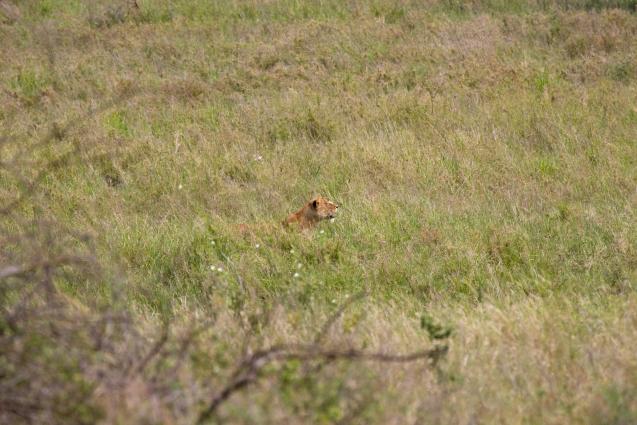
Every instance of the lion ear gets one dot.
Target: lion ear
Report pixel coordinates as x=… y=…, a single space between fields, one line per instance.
x=314 y=204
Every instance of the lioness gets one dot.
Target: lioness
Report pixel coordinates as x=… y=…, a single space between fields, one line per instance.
x=314 y=211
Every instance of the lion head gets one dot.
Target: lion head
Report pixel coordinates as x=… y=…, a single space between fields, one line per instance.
x=323 y=208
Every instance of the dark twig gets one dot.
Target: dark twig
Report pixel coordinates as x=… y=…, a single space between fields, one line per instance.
x=338 y=313
x=154 y=351
x=185 y=343
x=59 y=132
x=15 y=271
x=249 y=370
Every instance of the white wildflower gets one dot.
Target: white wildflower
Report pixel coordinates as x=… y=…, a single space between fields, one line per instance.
x=296 y=275
x=257 y=246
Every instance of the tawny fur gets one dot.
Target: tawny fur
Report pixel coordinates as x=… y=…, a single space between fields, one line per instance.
x=315 y=210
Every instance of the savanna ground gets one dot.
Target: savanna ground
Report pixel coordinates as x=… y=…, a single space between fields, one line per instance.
x=484 y=154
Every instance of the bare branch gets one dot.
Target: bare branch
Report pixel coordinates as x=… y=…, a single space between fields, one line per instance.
x=13 y=271
x=185 y=343
x=338 y=313
x=248 y=371
x=10 y=271
x=156 y=349
x=58 y=132
x=11 y=12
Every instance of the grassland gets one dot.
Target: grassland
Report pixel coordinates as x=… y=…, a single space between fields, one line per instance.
x=484 y=154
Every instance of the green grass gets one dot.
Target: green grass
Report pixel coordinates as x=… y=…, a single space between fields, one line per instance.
x=484 y=155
